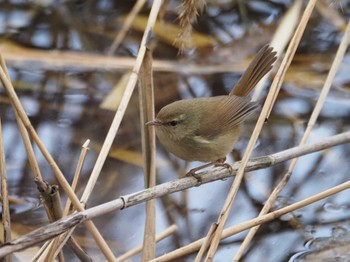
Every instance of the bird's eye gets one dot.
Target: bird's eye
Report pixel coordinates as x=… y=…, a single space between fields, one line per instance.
x=173 y=123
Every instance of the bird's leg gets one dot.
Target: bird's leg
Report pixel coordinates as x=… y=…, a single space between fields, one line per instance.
x=219 y=162
x=193 y=171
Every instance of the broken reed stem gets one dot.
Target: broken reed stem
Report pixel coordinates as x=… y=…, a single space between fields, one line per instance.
x=126 y=25
x=6 y=219
x=56 y=228
x=77 y=173
x=169 y=231
x=320 y=102
x=265 y=112
x=57 y=244
x=50 y=198
x=17 y=106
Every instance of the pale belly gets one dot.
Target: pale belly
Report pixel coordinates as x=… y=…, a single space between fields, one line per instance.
x=200 y=149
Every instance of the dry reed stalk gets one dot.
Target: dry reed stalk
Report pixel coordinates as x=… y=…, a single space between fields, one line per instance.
x=58 y=227
x=31 y=157
x=123 y=103
x=118 y=117
x=77 y=173
x=25 y=136
x=64 y=238
x=44 y=254
x=16 y=104
x=126 y=26
x=67 y=235
x=6 y=219
x=317 y=109
x=205 y=244
x=41 y=251
x=280 y=39
x=60 y=60
x=271 y=98
x=114 y=128
x=169 y=231
x=57 y=244
x=146 y=100
x=51 y=198
x=194 y=246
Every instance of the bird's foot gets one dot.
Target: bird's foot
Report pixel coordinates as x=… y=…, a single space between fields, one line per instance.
x=217 y=163
x=227 y=165
x=193 y=173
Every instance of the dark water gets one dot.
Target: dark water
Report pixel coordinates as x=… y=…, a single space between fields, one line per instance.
x=63 y=103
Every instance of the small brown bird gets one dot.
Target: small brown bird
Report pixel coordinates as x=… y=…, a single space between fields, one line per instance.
x=205 y=129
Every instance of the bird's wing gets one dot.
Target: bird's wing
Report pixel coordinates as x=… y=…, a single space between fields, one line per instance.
x=226 y=113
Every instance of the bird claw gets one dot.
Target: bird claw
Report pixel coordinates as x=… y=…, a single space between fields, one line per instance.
x=228 y=166
x=192 y=173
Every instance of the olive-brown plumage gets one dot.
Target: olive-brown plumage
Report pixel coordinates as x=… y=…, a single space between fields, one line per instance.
x=205 y=129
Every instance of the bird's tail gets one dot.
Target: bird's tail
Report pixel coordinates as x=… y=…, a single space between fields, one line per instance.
x=260 y=65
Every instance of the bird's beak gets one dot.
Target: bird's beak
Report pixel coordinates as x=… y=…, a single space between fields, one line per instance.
x=154 y=122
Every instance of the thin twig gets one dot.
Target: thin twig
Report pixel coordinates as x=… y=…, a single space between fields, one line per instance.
x=322 y=98
x=56 y=228
x=271 y=98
